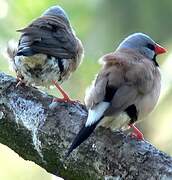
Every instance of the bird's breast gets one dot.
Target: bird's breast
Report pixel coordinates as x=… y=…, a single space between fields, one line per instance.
x=146 y=103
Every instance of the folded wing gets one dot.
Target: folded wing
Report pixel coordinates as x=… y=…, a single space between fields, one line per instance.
x=48 y=35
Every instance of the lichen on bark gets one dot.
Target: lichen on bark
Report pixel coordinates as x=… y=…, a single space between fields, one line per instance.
x=41 y=132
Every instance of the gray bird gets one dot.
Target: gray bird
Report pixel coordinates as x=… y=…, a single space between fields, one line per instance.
x=48 y=51
x=126 y=89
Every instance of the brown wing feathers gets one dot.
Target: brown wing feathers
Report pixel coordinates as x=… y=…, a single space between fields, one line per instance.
x=48 y=35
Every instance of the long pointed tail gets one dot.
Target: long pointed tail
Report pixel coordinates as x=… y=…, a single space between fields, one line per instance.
x=83 y=134
x=94 y=117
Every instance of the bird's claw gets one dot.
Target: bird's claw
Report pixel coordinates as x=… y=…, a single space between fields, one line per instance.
x=20 y=81
x=136 y=133
x=65 y=98
x=137 y=136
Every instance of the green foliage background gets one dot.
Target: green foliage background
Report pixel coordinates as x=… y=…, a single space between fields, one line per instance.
x=100 y=24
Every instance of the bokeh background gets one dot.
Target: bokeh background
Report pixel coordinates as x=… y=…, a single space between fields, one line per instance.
x=100 y=24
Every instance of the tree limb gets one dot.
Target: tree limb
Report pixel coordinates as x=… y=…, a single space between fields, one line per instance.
x=41 y=132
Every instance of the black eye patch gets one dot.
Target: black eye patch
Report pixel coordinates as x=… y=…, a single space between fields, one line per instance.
x=151 y=47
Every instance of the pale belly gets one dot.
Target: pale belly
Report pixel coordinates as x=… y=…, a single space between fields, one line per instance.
x=40 y=71
x=118 y=122
x=147 y=103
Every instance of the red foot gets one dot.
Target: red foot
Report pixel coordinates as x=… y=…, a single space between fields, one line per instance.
x=65 y=98
x=136 y=133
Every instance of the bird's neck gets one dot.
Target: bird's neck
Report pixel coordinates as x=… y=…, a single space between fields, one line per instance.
x=154 y=60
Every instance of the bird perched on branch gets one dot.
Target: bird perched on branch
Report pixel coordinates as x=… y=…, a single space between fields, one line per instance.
x=126 y=89
x=48 y=51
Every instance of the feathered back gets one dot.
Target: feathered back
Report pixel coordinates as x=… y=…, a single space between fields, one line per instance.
x=50 y=35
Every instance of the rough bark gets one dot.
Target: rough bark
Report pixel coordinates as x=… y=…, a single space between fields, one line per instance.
x=41 y=132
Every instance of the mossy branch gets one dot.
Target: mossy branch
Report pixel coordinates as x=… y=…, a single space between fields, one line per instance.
x=41 y=132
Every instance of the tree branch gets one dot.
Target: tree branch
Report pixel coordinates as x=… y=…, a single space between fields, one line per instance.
x=41 y=132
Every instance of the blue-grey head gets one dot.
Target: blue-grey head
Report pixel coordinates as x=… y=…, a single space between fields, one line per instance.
x=56 y=11
x=143 y=44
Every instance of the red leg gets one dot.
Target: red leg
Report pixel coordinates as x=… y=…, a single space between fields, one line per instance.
x=136 y=132
x=65 y=98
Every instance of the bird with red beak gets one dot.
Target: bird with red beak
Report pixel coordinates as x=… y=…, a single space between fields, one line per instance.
x=48 y=51
x=126 y=89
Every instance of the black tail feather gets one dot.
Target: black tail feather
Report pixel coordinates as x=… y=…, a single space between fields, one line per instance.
x=83 y=134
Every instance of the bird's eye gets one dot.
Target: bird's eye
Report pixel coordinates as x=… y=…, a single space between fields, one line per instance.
x=151 y=47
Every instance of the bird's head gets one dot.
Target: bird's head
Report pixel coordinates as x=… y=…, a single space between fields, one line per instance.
x=56 y=11
x=144 y=44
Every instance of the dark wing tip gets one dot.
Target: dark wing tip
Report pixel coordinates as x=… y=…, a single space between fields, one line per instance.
x=25 y=52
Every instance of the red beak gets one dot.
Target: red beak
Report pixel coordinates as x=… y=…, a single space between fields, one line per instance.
x=159 y=49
